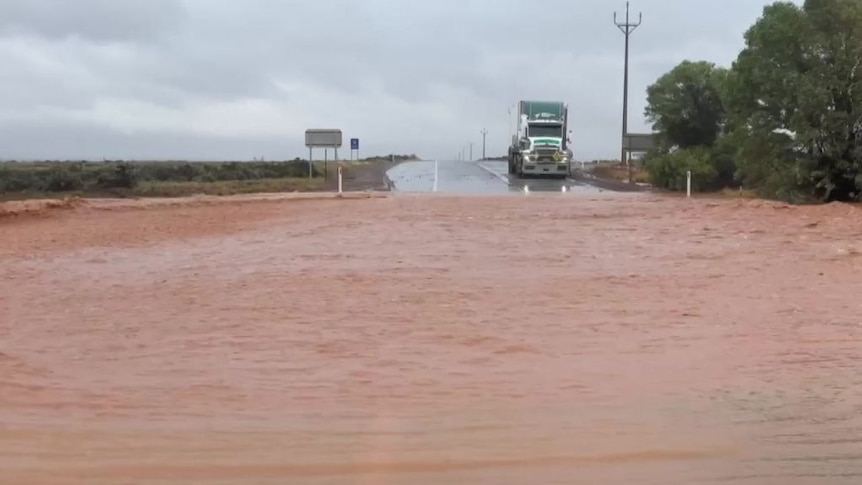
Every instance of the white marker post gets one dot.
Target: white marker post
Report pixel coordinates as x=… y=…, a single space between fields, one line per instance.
x=526 y=189
x=339 y=181
x=563 y=190
x=688 y=184
x=435 y=175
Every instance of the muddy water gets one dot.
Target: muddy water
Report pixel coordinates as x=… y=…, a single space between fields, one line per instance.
x=619 y=339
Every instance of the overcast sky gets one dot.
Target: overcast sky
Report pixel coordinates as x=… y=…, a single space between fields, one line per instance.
x=237 y=79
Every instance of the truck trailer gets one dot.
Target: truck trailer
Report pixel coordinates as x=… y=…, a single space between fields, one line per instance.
x=540 y=146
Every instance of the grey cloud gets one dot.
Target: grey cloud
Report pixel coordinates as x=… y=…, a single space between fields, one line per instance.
x=74 y=141
x=96 y=20
x=442 y=70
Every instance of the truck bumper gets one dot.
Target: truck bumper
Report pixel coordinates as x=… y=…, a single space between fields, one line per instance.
x=559 y=169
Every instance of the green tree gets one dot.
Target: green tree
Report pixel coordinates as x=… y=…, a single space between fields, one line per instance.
x=685 y=105
x=794 y=96
x=686 y=109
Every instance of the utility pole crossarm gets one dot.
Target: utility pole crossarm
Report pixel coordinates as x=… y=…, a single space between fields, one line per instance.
x=628 y=27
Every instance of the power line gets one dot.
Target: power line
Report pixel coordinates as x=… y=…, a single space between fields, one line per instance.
x=626 y=28
x=484 y=134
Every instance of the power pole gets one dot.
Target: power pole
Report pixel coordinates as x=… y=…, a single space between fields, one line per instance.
x=484 y=134
x=509 y=122
x=471 y=151
x=626 y=28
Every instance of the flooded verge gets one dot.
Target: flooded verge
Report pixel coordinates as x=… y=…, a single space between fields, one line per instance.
x=402 y=339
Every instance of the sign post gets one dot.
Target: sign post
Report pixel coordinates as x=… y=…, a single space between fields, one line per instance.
x=636 y=143
x=354 y=145
x=321 y=138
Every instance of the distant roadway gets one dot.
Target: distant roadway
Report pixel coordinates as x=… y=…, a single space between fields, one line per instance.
x=473 y=177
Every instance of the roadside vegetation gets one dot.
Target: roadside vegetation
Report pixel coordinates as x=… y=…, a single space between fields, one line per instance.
x=56 y=179
x=614 y=170
x=783 y=121
x=134 y=179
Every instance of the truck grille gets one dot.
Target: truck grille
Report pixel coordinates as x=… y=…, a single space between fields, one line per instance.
x=545 y=154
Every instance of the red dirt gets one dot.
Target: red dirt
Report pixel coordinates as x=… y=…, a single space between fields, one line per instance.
x=618 y=339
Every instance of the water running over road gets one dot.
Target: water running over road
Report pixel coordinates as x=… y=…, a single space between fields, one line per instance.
x=612 y=339
x=487 y=177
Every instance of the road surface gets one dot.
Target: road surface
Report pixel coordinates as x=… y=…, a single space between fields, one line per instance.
x=473 y=177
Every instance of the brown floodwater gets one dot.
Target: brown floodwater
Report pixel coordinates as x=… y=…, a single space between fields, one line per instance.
x=615 y=339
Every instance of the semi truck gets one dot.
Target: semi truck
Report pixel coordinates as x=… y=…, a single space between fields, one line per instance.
x=540 y=145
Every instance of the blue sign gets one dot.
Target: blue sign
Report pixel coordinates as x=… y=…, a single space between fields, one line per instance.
x=354 y=143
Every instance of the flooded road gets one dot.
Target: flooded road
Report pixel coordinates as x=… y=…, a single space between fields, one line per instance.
x=486 y=177
x=614 y=339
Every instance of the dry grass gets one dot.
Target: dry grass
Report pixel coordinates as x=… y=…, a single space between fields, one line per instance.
x=346 y=165
x=618 y=171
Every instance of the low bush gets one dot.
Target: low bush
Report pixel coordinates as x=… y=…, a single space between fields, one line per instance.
x=113 y=176
x=669 y=171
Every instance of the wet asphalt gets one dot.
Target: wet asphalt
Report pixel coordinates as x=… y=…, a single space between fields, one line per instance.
x=473 y=178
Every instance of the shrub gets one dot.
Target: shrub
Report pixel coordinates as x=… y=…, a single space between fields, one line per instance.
x=669 y=171
x=63 y=179
x=113 y=175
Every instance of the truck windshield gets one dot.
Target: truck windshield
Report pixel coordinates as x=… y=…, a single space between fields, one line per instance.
x=555 y=131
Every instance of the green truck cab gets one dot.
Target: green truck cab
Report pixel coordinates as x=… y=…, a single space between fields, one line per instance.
x=541 y=144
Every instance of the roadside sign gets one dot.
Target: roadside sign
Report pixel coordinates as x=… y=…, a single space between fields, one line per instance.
x=322 y=138
x=317 y=138
x=354 y=146
x=638 y=142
